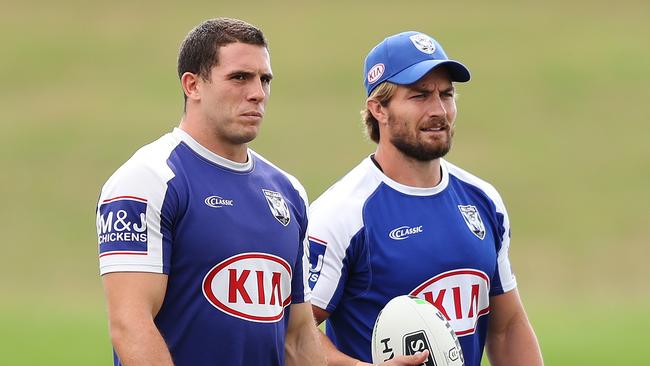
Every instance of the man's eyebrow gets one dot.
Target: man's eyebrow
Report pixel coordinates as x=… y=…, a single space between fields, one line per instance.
x=420 y=89
x=240 y=72
x=249 y=74
x=449 y=89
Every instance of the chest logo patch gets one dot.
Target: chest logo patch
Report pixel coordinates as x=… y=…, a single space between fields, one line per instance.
x=218 y=202
x=473 y=220
x=404 y=232
x=461 y=295
x=250 y=286
x=278 y=206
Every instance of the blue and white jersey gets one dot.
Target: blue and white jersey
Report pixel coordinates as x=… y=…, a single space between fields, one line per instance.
x=372 y=239
x=231 y=237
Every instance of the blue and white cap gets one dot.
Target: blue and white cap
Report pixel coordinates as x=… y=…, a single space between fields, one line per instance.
x=405 y=58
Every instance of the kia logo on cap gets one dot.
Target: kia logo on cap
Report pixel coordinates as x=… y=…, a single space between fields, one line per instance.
x=375 y=73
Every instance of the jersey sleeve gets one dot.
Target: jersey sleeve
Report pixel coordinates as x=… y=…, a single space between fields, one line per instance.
x=504 y=278
x=300 y=291
x=134 y=219
x=333 y=250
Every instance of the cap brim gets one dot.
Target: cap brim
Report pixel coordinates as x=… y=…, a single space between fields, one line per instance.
x=411 y=74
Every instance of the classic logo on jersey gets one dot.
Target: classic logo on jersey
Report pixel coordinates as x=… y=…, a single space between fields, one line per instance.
x=423 y=43
x=122 y=226
x=218 y=202
x=473 y=220
x=404 y=232
x=317 y=248
x=418 y=342
x=250 y=286
x=278 y=206
x=462 y=296
x=375 y=73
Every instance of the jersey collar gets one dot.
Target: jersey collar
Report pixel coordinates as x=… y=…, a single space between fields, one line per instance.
x=413 y=191
x=212 y=157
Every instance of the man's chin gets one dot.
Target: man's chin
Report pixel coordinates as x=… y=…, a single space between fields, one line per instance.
x=247 y=136
x=424 y=152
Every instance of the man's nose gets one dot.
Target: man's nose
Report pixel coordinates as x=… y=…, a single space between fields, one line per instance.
x=258 y=91
x=437 y=107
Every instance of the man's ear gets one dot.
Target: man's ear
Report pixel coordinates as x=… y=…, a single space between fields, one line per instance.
x=378 y=111
x=190 y=84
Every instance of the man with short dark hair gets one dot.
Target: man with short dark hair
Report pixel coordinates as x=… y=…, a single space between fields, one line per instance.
x=405 y=221
x=202 y=242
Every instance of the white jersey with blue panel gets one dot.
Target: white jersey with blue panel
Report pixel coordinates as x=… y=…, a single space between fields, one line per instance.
x=372 y=239
x=231 y=237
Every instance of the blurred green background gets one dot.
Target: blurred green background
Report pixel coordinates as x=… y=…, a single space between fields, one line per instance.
x=556 y=117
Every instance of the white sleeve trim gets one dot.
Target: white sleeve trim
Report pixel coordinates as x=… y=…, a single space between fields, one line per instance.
x=111 y=268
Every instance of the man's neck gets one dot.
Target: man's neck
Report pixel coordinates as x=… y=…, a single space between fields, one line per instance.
x=210 y=140
x=406 y=170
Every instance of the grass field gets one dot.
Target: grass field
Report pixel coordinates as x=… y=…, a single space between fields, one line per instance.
x=555 y=116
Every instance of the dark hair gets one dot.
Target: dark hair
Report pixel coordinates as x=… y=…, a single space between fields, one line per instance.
x=199 y=51
x=382 y=94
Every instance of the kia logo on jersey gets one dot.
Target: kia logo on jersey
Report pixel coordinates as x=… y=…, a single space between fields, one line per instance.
x=462 y=296
x=250 y=286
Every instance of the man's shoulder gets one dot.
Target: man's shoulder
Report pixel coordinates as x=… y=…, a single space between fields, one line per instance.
x=147 y=165
x=348 y=195
x=338 y=214
x=276 y=173
x=469 y=179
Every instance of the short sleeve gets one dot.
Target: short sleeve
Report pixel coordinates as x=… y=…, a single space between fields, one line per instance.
x=133 y=219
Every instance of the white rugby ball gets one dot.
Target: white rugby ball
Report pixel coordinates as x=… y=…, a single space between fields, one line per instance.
x=408 y=325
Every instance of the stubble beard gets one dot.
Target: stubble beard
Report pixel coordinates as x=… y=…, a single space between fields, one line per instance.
x=414 y=148
x=236 y=133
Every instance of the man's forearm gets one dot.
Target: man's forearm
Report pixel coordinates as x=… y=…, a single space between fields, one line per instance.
x=517 y=345
x=334 y=356
x=305 y=350
x=140 y=344
x=302 y=345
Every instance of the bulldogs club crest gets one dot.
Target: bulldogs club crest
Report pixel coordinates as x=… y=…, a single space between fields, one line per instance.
x=423 y=43
x=473 y=220
x=278 y=206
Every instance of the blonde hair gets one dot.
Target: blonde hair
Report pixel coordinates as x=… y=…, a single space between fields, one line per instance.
x=382 y=94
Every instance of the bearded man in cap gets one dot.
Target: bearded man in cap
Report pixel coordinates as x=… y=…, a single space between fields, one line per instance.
x=406 y=221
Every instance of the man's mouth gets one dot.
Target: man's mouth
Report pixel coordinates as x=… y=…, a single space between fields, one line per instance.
x=253 y=114
x=434 y=128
